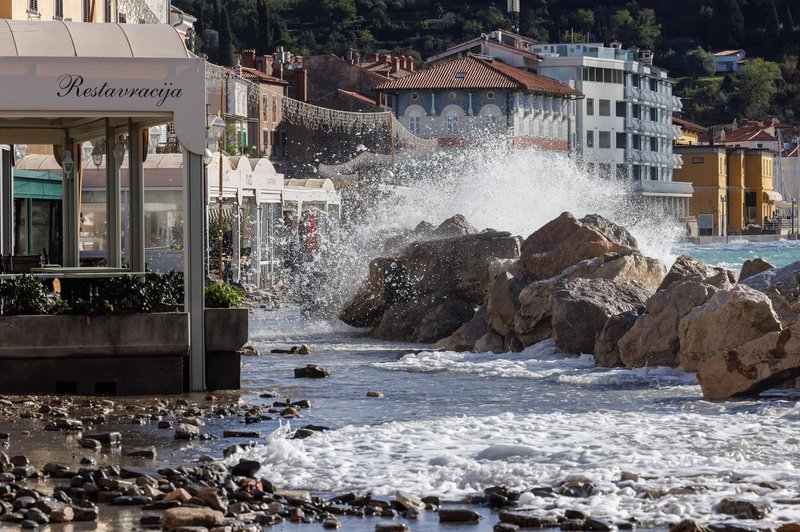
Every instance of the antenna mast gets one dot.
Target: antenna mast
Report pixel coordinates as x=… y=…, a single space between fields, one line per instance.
x=513 y=9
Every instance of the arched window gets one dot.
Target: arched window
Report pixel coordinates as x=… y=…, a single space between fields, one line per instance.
x=415 y=122
x=452 y=119
x=413 y=118
x=491 y=114
x=453 y=126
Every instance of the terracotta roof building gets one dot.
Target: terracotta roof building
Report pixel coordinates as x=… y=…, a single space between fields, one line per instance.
x=477 y=95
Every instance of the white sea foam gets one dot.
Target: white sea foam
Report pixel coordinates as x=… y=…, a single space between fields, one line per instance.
x=540 y=361
x=729 y=454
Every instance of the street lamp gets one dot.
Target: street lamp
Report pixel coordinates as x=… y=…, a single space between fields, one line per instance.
x=68 y=163
x=218 y=134
x=794 y=203
x=97 y=154
x=723 y=228
x=207 y=156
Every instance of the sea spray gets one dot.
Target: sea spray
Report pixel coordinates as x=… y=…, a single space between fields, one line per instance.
x=493 y=186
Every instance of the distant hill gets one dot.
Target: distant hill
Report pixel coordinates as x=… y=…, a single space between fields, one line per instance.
x=681 y=32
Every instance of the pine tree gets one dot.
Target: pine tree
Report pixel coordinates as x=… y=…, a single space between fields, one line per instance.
x=264 y=43
x=729 y=24
x=225 y=56
x=216 y=15
x=199 y=28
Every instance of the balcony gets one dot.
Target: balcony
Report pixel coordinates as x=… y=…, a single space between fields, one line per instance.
x=655 y=158
x=652 y=98
x=649 y=127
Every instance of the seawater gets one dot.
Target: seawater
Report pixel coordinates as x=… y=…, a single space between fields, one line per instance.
x=452 y=424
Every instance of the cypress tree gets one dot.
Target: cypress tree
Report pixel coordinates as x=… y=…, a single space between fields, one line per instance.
x=216 y=15
x=199 y=29
x=265 y=37
x=225 y=55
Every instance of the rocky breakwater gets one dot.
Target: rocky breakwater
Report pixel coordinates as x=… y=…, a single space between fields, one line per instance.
x=432 y=286
x=572 y=276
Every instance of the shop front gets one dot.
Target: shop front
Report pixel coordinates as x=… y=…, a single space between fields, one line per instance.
x=63 y=85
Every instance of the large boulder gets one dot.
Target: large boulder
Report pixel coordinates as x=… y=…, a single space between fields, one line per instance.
x=386 y=284
x=606 y=348
x=458 y=265
x=632 y=268
x=686 y=268
x=782 y=285
x=653 y=339
x=753 y=267
x=566 y=241
x=443 y=320
x=506 y=282
x=573 y=311
x=766 y=362
x=454 y=226
x=466 y=336
x=400 y=321
x=729 y=319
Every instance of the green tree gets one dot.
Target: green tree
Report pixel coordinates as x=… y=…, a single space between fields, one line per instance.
x=211 y=45
x=699 y=63
x=266 y=34
x=571 y=35
x=756 y=85
x=216 y=14
x=636 y=29
x=727 y=25
x=226 y=53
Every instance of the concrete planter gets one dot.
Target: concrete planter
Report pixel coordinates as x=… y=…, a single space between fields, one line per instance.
x=226 y=331
x=125 y=354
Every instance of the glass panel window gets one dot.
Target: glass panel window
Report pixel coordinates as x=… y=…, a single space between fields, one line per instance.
x=107 y=11
x=414 y=122
x=622 y=139
x=33 y=7
x=605 y=108
x=653 y=144
x=590 y=139
x=59 y=9
x=590 y=106
x=453 y=127
x=621 y=109
x=87 y=10
x=604 y=139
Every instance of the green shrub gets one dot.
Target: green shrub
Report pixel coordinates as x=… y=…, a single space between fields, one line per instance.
x=220 y=295
x=23 y=295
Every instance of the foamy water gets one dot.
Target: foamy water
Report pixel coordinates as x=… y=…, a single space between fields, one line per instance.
x=452 y=424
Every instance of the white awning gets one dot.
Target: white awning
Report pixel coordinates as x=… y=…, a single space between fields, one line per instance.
x=773 y=196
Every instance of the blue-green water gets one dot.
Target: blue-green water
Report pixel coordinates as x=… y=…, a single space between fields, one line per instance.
x=733 y=254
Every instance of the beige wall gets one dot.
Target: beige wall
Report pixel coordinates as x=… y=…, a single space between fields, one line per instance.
x=73 y=9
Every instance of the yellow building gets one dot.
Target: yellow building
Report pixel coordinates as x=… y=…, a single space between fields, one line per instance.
x=733 y=187
x=75 y=10
x=690 y=132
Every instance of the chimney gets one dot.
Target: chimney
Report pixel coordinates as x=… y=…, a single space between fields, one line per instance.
x=396 y=64
x=386 y=58
x=237 y=68
x=249 y=58
x=357 y=58
x=376 y=57
x=409 y=63
x=301 y=85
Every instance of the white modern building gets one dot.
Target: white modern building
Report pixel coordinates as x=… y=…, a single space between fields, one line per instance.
x=624 y=123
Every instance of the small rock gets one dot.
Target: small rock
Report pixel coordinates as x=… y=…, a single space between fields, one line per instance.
x=62 y=515
x=458 y=515
x=744 y=508
x=29 y=525
x=106 y=438
x=408 y=501
x=626 y=475
x=391 y=527
x=165 y=424
x=687 y=525
x=185 y=431
x=184 y=516
x=147 y=452
x=311 y=371
x=180 y=495
x=331 y=522
x=20 y=460
x=373 y=393
x=88 y=443
x=241 y=434
x=246 y=468
x=88 y=460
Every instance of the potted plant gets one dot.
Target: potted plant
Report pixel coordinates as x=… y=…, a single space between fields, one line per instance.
x=226 y=331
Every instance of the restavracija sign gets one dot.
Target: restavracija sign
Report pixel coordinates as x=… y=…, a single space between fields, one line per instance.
x=74 y=84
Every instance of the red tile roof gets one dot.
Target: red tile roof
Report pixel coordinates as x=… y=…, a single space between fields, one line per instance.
x=473 y=73
x=685 y=124
x=253 y=74
x=357 y=96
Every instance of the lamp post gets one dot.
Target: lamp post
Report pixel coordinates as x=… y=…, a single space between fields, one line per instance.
x=794 y=203
x=723 y=229
x=97 y=155
x=218 y=132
